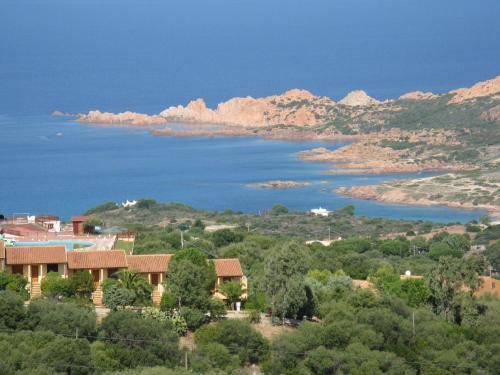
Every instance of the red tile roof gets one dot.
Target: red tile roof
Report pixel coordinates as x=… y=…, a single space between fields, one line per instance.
x=35 y=254
x=149 y=263
x=228 y=267
x=85 y=259
x=79 y=218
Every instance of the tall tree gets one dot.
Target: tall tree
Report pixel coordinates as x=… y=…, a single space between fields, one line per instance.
x=190 y=278
x=285 y=269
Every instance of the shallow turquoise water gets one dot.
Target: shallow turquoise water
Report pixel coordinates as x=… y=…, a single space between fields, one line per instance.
x=52 y=165
x=69 y=244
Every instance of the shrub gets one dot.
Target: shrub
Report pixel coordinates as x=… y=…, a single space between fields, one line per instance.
x=217 y=309
x=17 y=283
x=178 y=322
x=194 y=318
x=12 y=311
x=167 y=301
x=60 y=318
x=237 y=336
x=53 y=285
x=116 y=297
x=81 y=284
x=254 y=316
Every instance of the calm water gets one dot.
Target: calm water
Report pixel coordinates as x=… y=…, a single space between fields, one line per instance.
x=51 y=165
x=119 y=55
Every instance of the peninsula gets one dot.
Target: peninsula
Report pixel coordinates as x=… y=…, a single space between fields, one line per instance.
x=419 y=131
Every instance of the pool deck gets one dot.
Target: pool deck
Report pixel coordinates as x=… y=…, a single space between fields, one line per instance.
x=101 y=242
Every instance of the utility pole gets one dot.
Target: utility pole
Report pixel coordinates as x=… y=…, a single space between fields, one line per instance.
x=186 y=359
x=248 y=227
x=182 y=239
x=76 y=333
x=329 y=234
x=413 y=321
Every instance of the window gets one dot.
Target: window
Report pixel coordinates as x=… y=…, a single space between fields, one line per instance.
x=17 y=269
x=54 y=267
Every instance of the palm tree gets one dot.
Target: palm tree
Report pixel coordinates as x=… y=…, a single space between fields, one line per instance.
x=136 y=283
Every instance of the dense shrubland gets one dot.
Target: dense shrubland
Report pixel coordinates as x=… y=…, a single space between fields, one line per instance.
x=432 y=325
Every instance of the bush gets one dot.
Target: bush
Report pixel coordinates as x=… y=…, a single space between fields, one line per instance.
x=194 y=318
x=60 y=318
x=440 y=249
x=12 y=312
x=237 y=336
x=177 y=321
x=81 y=284
x=17 y=283
x=53 y=285
x=279 y=209
x=131 y=341
x=167 y=301
x=217 y=309
x=254 y=316
x=117 y=298
x=225 y=237
x=104 y=207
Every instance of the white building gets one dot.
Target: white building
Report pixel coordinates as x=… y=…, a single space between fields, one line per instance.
x=320 y=211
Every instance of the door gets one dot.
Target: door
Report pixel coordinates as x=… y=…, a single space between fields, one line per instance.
x=95 y=277
x=154 y=279
x=34 y=273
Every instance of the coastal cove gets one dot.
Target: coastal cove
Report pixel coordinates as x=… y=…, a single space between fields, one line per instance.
x=54 y=165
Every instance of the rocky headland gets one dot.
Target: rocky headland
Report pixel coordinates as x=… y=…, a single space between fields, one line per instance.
x=419 y=131
x=280 y=184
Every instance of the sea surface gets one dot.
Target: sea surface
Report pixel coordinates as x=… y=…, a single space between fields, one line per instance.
x=57 y=166
x=118 y=55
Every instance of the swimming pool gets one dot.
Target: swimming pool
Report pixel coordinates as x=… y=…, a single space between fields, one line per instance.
x=69 y=244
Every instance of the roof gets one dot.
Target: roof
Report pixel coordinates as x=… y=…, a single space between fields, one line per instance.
x=2 y=249
x=228 y=267
x=35 y=254
x=85 y=259
x=79 y=218
x=43 y=218
x=149 y=263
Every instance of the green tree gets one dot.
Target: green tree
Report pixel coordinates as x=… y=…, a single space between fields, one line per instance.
x=285 y=269
x=232 y=290
x=54 y=285
x=12 y=312
x=61 y=318
x=190 y=278
x=81 y=284
x=237 y=336
x=136 y=283
x=132 y=341
x=279 y=209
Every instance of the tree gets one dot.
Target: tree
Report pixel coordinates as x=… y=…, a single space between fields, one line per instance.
x=131 y=341
x=446 y=283
x=55 y=286
x=441 y=249
x=237 y=336
x=135 y=283
x=60 y=318
x=190 y=278
x=225 y=237
x=81 y=284
x=232 y=290
x=279 y=209
x=12 y=312
x=90 y=225
x=285 y=268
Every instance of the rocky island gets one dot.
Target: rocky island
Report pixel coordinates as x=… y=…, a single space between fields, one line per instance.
x=419 y=131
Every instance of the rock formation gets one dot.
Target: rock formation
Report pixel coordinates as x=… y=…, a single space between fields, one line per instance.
x=124 y=118
x=358 y=98
x=418 y=95
x=493 y=114
x=480 y=89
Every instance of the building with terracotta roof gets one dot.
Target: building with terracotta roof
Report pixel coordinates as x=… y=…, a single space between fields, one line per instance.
x=34 y=262
x=100 y=263
x=77 y=221
x=228 y=270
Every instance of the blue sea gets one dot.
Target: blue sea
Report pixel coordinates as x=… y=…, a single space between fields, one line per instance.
x=118 y=55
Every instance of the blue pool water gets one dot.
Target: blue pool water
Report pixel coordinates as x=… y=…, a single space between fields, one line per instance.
x=68 y=243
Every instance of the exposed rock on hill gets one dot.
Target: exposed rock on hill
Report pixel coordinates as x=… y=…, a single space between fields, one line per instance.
x=358 y=98
x=124 y=118
x=418 y=95
x=480 y=89
x=493 y=114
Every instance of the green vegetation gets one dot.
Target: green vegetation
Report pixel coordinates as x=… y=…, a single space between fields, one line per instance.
x=429 y=325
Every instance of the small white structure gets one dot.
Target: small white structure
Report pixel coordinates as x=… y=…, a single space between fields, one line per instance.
x=128 y=204
x=408 y=273
x=50 y=222
x=320 y=211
